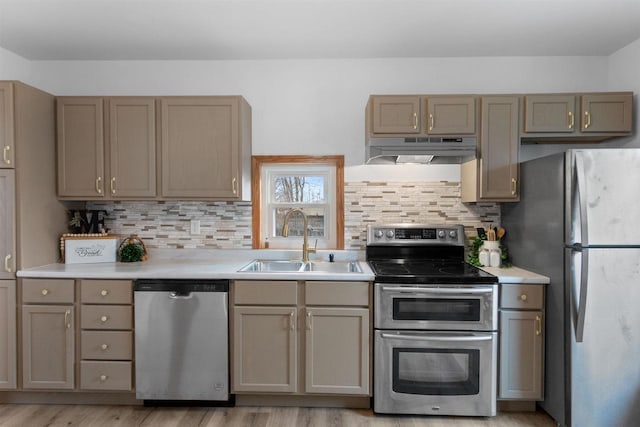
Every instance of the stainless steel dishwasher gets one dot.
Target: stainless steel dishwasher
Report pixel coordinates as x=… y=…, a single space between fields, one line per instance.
x=182 y=339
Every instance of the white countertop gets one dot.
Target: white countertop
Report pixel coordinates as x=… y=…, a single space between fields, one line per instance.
x=516 y=275
x=201 y=264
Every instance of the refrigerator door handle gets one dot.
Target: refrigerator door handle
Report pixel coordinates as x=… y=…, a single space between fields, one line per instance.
x=581 y=193
x=579 y=290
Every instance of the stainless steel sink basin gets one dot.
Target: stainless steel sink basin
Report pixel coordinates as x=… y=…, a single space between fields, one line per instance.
x=334 y=267
x=276 y=266
x=264 y=266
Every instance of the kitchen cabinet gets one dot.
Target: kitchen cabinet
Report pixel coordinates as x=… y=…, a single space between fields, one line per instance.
x=48 y=334
x=106 y=335
x=521 y=341
x=577 y=117
x=494 y=175
x=6 y=126
x=7 y=224
x=206 y=147
x=301 y=337
x=129 y=156
x=420 y=116
x=7 y=334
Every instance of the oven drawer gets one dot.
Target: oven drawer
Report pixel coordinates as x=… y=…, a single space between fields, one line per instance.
x=448 y=307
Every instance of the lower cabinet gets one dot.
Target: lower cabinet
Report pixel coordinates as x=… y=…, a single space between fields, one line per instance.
x=521 y=342
x=305 y=337
x=7 y=334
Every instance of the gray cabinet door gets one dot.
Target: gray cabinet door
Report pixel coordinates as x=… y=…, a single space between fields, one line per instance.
x=6 y=126
x=7 y=334
x=47 y=347
x=337 y=350
x=264 y=349
x=499 y=144
x=132 y=148
x=521 y=339
x=451 y=115
x=200 y=147
x=80 y=148
x=7 y=225
x=395 y=114
x=606 y=112
x=550 y=113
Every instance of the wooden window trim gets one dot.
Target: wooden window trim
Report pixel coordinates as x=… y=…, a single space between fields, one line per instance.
x=256 y=178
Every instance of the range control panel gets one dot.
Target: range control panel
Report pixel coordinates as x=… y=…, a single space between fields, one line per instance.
x=415 y=234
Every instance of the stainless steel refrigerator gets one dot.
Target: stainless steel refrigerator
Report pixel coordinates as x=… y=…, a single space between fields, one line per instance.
x=578 y=222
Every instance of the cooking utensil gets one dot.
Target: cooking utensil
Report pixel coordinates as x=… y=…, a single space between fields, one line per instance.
x=501 y=232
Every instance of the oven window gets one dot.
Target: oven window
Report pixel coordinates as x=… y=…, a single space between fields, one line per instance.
x=453 y=309
x=435 y=371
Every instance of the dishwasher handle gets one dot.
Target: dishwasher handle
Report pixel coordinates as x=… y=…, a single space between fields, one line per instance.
x=175 y=295
x=180 y=287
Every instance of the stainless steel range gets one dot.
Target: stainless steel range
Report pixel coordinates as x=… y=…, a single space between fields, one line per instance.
x=435 y=321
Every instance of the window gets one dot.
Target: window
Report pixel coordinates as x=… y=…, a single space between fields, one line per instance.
x=312 y=184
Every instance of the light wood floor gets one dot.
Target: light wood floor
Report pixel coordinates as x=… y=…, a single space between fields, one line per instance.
x=23 y=415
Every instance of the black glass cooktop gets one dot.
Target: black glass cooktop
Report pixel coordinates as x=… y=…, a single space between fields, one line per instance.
x=429 y=271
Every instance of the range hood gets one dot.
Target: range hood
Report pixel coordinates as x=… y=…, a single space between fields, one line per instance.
x=431 y=150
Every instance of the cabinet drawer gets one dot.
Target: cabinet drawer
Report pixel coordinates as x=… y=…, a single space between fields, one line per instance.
x=107 y=345
x=105 y=375
x=49 y=291
x=106 y=317
x=265 y=292
x=106 y=292
x=521 y=296
x=337 y=293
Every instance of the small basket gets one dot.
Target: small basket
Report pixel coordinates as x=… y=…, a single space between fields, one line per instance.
x=135 y=240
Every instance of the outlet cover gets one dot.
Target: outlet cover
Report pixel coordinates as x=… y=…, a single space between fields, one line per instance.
x=195 y=226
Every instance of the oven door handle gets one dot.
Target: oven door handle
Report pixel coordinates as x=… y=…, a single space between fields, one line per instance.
x=439 y=338
x=457 y=291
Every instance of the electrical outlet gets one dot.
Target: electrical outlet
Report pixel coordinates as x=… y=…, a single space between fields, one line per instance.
x=195 y=226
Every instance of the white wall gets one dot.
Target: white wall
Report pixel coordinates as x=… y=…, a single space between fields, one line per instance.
x=317 y=106
x=14 y=67
x=624 y=74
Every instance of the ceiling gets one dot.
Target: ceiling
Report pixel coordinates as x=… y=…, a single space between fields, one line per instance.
x=307 y=29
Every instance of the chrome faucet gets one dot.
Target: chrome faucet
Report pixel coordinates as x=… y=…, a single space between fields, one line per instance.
x=305 y=246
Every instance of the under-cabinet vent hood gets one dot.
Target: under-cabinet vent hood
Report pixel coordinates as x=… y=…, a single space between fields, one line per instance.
x=431 y=150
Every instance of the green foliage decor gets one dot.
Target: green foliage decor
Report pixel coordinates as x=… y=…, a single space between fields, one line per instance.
x=131 y=253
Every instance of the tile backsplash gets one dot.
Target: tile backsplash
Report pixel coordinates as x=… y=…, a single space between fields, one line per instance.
x=227 y=225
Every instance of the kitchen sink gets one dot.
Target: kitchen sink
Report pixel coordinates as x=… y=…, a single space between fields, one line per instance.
x=274 y=266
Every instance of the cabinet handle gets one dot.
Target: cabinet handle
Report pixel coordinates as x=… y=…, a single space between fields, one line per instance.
x=67 y=319
x=587 y=116
x=104 y=347
x=415 y=120
x=234 y=186
x=572 y=121
x=292 y=323
x=538 y=325
x=7 y=268
x=523 y=297
x=103 y=377
x=45 y=292
x=431 y=122
x=308 y=320
x=104 y=292
x=104 y=319
x=98 y=182
x=5 y=154
x=113 y=185
x=514 y=183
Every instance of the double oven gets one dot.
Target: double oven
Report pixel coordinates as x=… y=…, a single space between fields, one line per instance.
x=435 y=323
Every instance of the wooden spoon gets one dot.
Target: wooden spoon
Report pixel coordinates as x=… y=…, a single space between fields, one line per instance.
x=501 y=232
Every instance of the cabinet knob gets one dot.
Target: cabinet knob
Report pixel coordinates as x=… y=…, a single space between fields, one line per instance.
x=45 y=292
x=103 y=319
x=523 y=297
x=103 y=377
x=104 y=346
x=104 y=292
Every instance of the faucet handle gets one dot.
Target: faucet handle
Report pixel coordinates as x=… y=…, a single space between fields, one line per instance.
x=315 y=248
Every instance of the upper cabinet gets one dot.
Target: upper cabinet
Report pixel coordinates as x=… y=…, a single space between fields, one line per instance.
x=205 y=147
x=585 y=117
x=6 y=126
x=420 y=116
x=123 y=148
x=128 y=157
x=494 y=176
